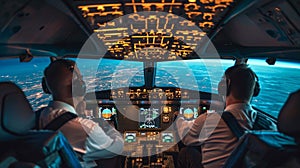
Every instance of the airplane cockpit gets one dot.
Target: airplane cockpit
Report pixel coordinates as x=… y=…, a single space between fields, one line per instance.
x=145 y=60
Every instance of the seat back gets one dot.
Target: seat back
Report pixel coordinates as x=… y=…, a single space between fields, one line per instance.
x=264 y=149
x=43 y=148
x=16 y=114
x=261 y=148
x=19 y=141
x=289 y=116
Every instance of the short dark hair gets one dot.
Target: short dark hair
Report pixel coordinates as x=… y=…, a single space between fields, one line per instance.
x=54 y=73
x=242 y=81
x=69 y=64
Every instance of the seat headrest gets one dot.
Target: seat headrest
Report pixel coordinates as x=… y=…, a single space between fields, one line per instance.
x=16 y=114
x=289 y=116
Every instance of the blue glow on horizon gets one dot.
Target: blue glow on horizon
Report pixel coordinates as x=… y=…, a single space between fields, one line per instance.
x=278 y=63
x=255 y=62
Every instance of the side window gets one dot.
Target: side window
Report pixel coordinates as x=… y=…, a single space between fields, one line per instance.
x=277 y=82
x=28 y=76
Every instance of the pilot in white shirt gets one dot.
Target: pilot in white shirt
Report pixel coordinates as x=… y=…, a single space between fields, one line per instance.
x=95 y=140
x=211 y=132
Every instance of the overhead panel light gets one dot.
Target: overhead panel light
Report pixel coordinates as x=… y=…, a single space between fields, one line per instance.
x=152 y=32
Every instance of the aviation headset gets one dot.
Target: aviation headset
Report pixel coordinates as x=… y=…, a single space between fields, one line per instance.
x=78 y=85
x=224 y=83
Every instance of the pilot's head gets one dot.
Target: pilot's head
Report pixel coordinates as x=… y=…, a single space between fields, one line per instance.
x=63 y=80
x=239 y=83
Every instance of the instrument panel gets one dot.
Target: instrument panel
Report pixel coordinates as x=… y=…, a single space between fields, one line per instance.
x=139 y=93
x=142 y=109
x=145 y=118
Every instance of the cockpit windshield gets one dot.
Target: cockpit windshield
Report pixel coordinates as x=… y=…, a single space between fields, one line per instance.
x=201 y=75
x=108 y=74
x=276 y=81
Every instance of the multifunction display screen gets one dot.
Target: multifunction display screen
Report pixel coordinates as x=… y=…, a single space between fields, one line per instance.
x=149 y=118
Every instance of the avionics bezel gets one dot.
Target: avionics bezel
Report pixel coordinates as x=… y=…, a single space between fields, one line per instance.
x=110 y=106
x=167 y=132
x=136 y=137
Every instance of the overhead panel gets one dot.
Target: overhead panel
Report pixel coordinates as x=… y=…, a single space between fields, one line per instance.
x=132 y=30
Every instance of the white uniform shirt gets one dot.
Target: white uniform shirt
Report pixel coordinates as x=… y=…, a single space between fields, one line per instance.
x=84 y=135
x=212 y=133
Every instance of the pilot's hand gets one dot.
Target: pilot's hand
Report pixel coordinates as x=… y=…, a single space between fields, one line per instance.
x=114 y=121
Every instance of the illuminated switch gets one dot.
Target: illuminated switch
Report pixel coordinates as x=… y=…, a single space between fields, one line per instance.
x=166 y=119
x=166 y=109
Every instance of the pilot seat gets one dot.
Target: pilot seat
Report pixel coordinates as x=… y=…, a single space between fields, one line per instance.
x=20 y=145
x=266 y=148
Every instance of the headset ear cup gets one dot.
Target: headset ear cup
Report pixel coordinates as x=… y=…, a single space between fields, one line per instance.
x=223 y=88
x=256 y=89
x=78 y=88
x=228 y=88
x=44 y=86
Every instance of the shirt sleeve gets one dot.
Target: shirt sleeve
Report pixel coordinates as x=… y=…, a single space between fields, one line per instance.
x=190 y=131
x=101 y=144
x=183 y=126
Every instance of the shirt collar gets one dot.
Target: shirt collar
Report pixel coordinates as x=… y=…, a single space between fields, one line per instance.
x=235 y=106
x=62 y=105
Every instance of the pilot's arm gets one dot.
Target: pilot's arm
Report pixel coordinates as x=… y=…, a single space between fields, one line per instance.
x=101 y=142
x=189 y=131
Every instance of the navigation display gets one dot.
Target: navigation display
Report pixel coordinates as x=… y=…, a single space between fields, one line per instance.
x=189 y=113
x=106 y=111
x=149 y=118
